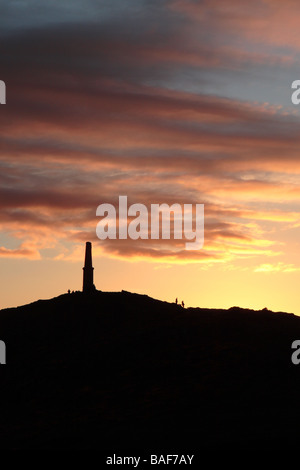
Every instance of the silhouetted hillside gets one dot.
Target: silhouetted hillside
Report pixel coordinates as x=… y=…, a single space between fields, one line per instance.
x=120 y=370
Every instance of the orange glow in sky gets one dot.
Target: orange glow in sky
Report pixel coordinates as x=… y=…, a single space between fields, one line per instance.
x=181 y=102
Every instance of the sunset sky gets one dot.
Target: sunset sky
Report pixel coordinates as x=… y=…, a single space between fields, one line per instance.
x=165 y=101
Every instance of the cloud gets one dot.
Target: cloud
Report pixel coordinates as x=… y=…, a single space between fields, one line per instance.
x=264 y=21
x=100 y=107
x=21 y=252
x=275 y=268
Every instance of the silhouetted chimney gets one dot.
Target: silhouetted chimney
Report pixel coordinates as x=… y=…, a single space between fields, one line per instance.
x=88 y=270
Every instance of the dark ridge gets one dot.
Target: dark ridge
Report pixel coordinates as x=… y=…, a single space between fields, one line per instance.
x=116 y=370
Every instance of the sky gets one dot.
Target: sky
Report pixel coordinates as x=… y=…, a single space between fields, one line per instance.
x=165 y=101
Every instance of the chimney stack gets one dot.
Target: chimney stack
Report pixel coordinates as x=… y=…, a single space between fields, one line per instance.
x=88 y=270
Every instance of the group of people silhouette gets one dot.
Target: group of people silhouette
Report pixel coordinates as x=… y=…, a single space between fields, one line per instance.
x=182 y=303
x=176 y=301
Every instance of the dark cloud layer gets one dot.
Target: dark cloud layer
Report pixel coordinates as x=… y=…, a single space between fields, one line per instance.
x=97 y=106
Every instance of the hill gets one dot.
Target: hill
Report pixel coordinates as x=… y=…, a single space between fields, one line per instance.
x=125 y=371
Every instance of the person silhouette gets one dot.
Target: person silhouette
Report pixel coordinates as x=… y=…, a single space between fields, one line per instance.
x=182 y=304
x=176 y=301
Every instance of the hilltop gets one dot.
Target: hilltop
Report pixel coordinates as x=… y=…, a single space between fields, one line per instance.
x=121 y=370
